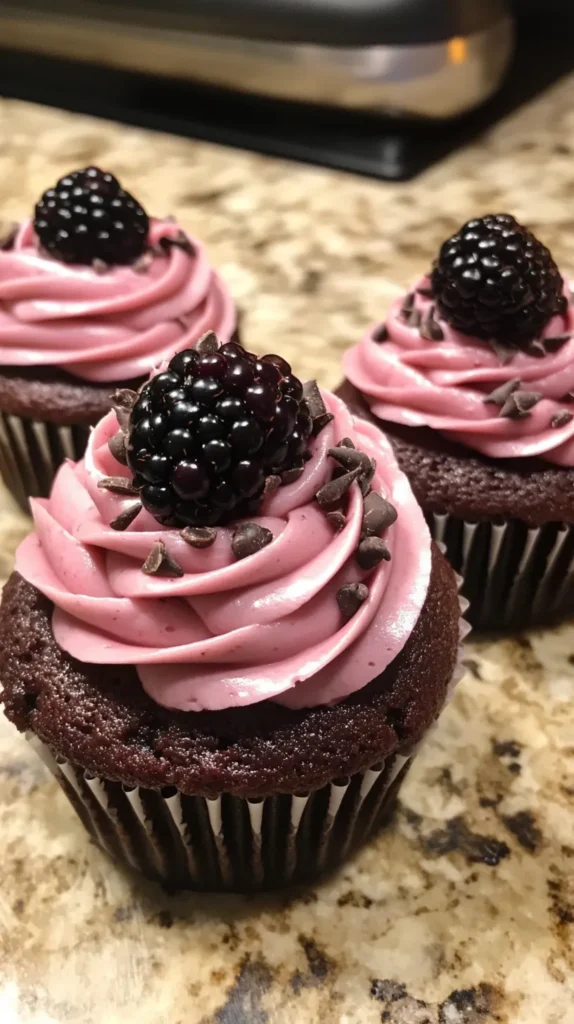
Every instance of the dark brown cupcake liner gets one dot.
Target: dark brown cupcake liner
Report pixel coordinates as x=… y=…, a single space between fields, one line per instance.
x=32 y=451
x=514 y=576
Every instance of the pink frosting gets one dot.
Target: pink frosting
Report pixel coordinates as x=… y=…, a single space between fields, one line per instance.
x=113 y=326
x=230 y=633
x=442 y=384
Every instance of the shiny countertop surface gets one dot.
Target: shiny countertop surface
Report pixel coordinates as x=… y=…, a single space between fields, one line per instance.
x=463 y=911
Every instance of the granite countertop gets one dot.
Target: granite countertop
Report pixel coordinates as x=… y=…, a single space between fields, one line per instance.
x=462 y=912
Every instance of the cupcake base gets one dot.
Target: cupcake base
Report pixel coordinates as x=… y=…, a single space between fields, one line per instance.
x=228 y=843
x=507 y=526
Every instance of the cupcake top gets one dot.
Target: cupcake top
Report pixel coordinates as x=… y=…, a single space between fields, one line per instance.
x=288 y=562
x=93 y=286
x=481 y=350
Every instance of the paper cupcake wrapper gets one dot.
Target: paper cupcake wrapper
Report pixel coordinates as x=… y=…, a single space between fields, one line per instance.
x=514 y=576
x=32 y=451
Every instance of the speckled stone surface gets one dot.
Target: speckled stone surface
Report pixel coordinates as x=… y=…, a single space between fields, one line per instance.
x=462 y=912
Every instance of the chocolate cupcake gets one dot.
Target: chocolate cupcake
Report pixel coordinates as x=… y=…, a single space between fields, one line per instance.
x=229 y=644
x=472 y=378
x=93 y=295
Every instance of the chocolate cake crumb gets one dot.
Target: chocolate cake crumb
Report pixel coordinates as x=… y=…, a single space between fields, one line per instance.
x=378 y=515
x=350 y=597
x=380 y=334
x=561 y=418
x=160 y=563
x=199 y=536
x=338 y=520
x=123 y=520
x=207 y=344
x=371 y=552
x=331 y=494
x=118 y=485
x=501 y=394
x=249 y=538
x=117 y=446
x=519 y=404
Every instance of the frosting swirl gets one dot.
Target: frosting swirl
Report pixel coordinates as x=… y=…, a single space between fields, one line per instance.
x=111 y=326
x=229 y=633
x=414 y=381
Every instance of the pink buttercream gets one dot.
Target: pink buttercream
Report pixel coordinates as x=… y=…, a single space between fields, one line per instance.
x=230 y=633
x=442 y=384
x=113 y=326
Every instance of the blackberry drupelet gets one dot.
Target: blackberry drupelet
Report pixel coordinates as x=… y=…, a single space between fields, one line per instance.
x=495 y=280
x=88 y=216
x=205 y=434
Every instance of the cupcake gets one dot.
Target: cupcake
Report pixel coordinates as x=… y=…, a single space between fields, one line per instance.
x=230 y=630
x=472 y=378
x=93 y=295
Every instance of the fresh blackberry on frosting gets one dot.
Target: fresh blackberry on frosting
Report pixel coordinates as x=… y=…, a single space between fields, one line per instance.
x=214 y=431
x=88 y=216
x=494 y=280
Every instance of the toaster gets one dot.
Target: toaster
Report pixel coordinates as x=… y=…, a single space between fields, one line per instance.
x=423 y=58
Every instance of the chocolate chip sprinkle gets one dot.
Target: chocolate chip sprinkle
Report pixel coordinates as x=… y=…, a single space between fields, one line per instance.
x=350 y=597
x=118 y=485
x=290 y=475
x=415 y=319
x=380 y=334
x=338 y=520
x=371 y=552
x=331 y=494
x=100 y=267
x=350 y=458
x=519 y=404
x=568 y=397
x=199 y=536
x=430 y=328
x=347 y=443
x=367 y=478
x=500 y=394
x=273 y=482
x=249 y=538
x=427 y=293
x=378 y=514
x=504 y=352
x=314 y=399
x=123 y=401
x=117 y=446
x=408 y=305
x=160 y=563
x=561 y=418
x=123 y=520
x=321 y=422
x=178 y=241
x=555 y=344
x=207 y=344
x=143 y=263
x=536 y=349
x=8 y=234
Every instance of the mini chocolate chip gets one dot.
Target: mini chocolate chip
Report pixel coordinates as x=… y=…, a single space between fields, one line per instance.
x=160 y=563
x=504 y=352
x=415 y=319
x=519 y=404
x=272 y=483
x=371 y=552
x=338 y=520
x=291 y=475
x=123 y=401
x=321 y=422
x=407 y=306
x=427 y=293
x=568 y=397
x=199 y=536
x=346 y=443
x=123 y=520
x=248 y=538
x=555 y=344
x=331 y=494
x=380 y=334
x=430 y=328
x=207 y=344
x=367 y=478
x=350 y=598
x=561 y=418
x=502 y=393
x=536 y=348
x=117 y=446
x=350 y=458
x=99 y=267
x=314 y=399
x=179 y=241
x=8 y=234
x=142 y=265
x=118 y=485
x=378 y=514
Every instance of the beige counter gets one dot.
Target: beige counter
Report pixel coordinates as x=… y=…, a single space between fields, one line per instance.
x=463 y=912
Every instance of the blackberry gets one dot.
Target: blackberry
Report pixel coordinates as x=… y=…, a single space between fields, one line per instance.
x=205 y=434
x=495 y=280
x=88 y=216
